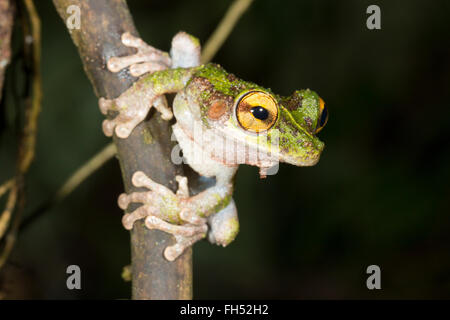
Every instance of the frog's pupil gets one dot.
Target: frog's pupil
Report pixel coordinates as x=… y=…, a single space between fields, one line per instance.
x=323 y=117
x=260 y=113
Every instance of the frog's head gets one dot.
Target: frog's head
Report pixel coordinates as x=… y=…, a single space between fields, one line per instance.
x=293 y=120
x=265 y=127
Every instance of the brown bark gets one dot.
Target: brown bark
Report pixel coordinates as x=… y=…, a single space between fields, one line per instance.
x=102 y=23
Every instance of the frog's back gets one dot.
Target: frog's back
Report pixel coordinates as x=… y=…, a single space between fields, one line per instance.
x=223 y=82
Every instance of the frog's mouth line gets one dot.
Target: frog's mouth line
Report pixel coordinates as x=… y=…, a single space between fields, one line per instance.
x=310 y=158
x=264 y=170
x=304 y=163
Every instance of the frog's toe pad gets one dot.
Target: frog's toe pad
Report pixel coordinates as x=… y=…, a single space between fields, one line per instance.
x=128 y=221
x=123 y=201
x=183 y=189
x=137 y=70
x=105 y=105
x=108 y=127
x=173 y=252
x=123 y=131
x=131 y=41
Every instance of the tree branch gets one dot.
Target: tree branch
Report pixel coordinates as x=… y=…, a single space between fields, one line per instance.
x=102 y=24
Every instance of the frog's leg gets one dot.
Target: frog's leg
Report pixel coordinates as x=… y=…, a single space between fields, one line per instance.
x=154 y=201
x=224 y=225
x=185 y=52
x=134 y=104
x=178 y=214
x=146 y=59
x=192 y=229
x=130 y=114
x=185 y=235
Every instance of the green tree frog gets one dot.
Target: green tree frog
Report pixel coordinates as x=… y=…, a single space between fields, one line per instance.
x=221 y=122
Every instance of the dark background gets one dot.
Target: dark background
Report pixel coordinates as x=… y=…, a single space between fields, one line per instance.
x=379 y=195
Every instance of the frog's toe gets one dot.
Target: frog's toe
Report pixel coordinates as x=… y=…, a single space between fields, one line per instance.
x=140 y=179
x=115 y=64
x=173 y=252
x=131 y=41
x=137 y=70
x=123 y=201
x=108 y=127
x=128 y=219
x=157 y=59
x=152 y=222
x=160 y=104
x=105 y=105
x=141 y=197
x=183 y=190
x=123 y=131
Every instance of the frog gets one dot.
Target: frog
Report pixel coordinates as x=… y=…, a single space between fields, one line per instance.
x=221 y=122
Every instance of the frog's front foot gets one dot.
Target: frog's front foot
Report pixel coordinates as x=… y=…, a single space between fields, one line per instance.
x=133 y=106
x=162 y=210
x=146 y=59
x=131 y=111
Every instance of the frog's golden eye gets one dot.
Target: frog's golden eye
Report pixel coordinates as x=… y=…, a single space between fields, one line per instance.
x=256 y=111
x=323 y=116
